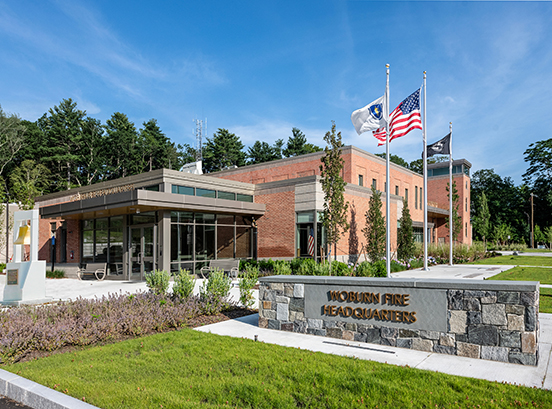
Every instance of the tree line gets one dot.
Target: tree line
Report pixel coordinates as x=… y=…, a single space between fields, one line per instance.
x=66 y=148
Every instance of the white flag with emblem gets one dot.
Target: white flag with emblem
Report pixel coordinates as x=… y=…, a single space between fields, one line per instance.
x=372 y=116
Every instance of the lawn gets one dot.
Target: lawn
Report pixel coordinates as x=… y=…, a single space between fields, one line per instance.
x=186 y=368
x=544 y=275
x=517 y=261
x=545 y=300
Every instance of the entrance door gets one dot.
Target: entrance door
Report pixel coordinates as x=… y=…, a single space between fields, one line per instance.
x=142 y=251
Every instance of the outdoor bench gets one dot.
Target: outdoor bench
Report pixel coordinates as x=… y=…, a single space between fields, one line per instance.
x=229 y=266
x=97 y=270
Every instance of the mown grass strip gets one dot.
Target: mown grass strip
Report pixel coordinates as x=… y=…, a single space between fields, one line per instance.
x=186 y=369
x=517 y=260
x=544 y=275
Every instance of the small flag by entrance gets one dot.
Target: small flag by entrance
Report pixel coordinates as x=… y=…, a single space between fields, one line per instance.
x=403 y=119
x=372 y=116
x=310 y=243
x=441 y=147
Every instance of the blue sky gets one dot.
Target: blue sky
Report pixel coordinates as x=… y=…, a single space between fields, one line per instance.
x=259 y=68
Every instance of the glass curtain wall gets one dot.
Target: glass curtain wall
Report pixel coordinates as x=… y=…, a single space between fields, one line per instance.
x=197 y=238
x=102 y=242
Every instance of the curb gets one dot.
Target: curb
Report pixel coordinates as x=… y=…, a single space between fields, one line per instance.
x=35 y=395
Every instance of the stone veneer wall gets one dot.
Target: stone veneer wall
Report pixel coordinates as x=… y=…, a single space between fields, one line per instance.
x=494 y=320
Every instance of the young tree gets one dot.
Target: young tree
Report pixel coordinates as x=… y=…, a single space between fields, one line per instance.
x=374 y=232
x=334 y=217
x=405 y=235
x=456 y=219
x=548 y=236
x=501 y=233
x=223 y=150
x=481 y=221
x=29 y=181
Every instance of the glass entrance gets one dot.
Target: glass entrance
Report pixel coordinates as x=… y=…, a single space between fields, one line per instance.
x=142 y=251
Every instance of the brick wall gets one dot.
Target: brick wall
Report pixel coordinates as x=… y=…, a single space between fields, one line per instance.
x=276 y=229
x=437 y=193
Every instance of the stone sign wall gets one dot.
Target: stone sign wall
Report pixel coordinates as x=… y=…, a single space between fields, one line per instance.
x=495 y=320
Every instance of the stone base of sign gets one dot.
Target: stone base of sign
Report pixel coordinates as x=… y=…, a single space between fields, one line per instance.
x=494 y=320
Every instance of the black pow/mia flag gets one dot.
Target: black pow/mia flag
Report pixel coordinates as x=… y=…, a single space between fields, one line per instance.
x=441 y=147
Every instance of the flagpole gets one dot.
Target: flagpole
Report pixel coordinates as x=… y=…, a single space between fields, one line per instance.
x=451 y=221
x=387 y=186
x=424 y=127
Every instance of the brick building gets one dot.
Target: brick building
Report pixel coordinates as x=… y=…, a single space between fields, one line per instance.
x=169 y=220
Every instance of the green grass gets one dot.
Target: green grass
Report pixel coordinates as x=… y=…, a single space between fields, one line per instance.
x=517 y=261
x=544 y=275
x=186 y=368
x=545 y=300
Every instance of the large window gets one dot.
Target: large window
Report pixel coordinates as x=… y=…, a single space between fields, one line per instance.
x=197 y=238
x=102 y=242
x=305 y=228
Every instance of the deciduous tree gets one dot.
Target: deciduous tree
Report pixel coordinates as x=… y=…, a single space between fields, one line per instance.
x=334 y=216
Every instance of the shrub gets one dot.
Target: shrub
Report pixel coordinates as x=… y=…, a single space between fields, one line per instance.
x=184 y=284
x=307 y=267
x=322 y=269
x=364 y=269
x=339 y=269
x=266 y=265
x=55 y=274
x=245 y=263
x=214 y=292
x=2 y=266
x=295 y=264
x=248 y=281
x=282 y=267
x=379 y=269
x=158 y=281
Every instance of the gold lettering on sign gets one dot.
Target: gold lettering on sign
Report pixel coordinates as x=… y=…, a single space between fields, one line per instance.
x=102 y=192
x=390 y=299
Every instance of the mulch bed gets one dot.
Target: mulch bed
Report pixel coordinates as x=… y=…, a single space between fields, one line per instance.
x=223 y=316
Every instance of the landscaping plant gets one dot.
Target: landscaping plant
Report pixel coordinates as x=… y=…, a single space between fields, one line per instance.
x=158 y=281
x=248 y=281
x=214 y=291
x=184 y=284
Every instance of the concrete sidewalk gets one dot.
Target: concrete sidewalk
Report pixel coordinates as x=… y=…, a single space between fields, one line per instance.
x=539 y=376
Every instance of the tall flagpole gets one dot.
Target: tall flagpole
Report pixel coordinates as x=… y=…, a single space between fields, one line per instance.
x=451 y=221
x=424 y=154
x=387 y=187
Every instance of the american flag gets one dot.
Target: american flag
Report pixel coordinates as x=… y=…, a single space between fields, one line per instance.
x=310 y=243
x=403 y=119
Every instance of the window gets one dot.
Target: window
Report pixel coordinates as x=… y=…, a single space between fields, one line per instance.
x=406 y=195
x=466 y=204
x=374 y=183
x=183 y=190
x=153 y=188
x=421 y=200
x=397 y=190
x=226 y=195
x=416 y=197
x=245 y=198
x=205 y=193
x=360 y=180
x=466 y=229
